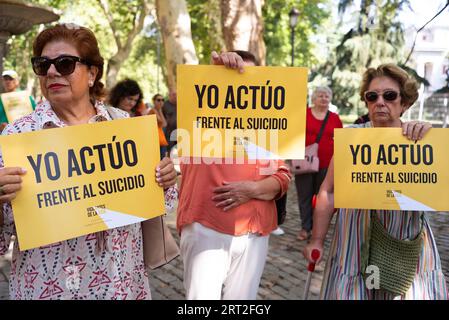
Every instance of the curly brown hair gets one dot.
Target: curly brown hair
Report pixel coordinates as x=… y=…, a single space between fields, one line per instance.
x=86 y=44
x=125 y=88
x=408 y=86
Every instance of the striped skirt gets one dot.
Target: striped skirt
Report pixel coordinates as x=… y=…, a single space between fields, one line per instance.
x=343 y=278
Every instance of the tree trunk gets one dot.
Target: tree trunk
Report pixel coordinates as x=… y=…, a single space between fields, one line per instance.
x=243 y=26
x=174 y=21
x=123 y=47
x=114 y=65
x=4 y=36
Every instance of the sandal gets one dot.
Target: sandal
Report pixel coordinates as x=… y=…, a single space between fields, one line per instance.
x=303 y=235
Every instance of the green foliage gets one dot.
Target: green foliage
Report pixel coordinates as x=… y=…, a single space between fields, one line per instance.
x=141 y=65
x=207 y=34
x=124 y=15
x=143 y=61
x=20 y=49
x=277 y=36
x=376 y=37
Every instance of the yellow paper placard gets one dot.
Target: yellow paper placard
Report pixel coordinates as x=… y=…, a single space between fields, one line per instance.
x=83 y=179
x=378 y=168
x=16 y=104
x=260 y=113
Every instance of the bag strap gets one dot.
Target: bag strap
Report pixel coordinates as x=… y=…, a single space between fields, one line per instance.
x=318 y=137
x=421 y=218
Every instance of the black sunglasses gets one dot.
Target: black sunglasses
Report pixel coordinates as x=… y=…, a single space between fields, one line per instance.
x=160 y=99
x=64 y=64
x=389 y=95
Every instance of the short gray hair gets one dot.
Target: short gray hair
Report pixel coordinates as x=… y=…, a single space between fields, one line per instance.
x=319 y=89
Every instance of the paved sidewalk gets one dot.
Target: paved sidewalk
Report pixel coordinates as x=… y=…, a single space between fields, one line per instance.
x=284 y=275
x=285 y=271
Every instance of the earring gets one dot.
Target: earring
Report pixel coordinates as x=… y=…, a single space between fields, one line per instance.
x=91 y=83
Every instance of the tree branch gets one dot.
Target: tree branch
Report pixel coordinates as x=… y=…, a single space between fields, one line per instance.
x=420 y=29
x=107 y=12
x=138 y=21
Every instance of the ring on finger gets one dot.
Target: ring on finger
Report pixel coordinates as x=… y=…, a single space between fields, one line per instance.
x=1 y=191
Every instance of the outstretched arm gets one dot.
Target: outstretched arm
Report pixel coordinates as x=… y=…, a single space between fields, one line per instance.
x=322 y=214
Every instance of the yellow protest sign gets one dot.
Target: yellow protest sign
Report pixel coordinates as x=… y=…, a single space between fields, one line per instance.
x=16 y=104
x=259 y=114
x=83 y=179
x=378 y=168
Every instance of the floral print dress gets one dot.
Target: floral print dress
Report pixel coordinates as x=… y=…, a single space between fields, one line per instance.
x=77 y=268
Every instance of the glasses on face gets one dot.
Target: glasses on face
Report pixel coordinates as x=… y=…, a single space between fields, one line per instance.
x=7 y=78
x=64 y=64
x=160 y=100
x=388 y=95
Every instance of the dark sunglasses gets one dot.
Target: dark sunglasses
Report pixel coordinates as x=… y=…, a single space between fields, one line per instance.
x=64 y=64
x=160 y=99
x=389 y=95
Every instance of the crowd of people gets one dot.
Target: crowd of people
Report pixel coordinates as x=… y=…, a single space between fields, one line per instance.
x=226 y=212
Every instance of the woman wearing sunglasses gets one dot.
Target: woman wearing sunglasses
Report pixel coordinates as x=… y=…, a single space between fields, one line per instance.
x=105 y=265
x=158 y=102
x=388 y=92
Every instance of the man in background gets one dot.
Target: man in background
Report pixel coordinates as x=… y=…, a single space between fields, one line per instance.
x=21 y=100
x=170 y=113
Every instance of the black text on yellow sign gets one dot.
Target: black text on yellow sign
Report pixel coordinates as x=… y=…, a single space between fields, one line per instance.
x=113 y=155
x=380 y=169
x=262 y=109
x=84 y=179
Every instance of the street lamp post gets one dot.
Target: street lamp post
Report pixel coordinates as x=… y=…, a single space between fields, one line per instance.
x=293 y=14
x=158 y=52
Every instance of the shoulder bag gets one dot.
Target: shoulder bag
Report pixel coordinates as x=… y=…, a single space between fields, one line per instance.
x=396 y=259
x=159 y=246
x=310 y=163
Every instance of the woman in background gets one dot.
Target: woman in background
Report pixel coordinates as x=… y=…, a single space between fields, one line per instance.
x=127 y=96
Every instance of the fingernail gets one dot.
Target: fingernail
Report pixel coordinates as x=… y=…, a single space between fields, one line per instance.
x=158 y=179
x=158 y=174
x=23 y=170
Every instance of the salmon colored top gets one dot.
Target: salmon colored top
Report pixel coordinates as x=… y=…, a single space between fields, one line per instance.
x=254 y=216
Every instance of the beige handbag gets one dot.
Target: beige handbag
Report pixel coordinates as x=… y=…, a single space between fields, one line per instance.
x=311 y=162
x=159 y=246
